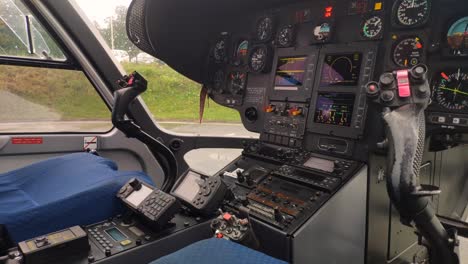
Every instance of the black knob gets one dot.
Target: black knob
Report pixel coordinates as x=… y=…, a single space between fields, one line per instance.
x=135 y=183
x=419 y=72
x=107 y=252
x=138 y=242
x=387 y=79
x=387 y=96
x=251 y=114
x=91 y=259
x=240 y=176
x=249 y=180
x=279 y=217
x=244 y=201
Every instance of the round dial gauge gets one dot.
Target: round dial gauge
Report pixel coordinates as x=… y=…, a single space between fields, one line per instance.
x=218 y=81
x=219 y=51
x=322 y=32
x=372 y=28
x=241 y=53
x=412 y=12
x=285 y=36
x=457 y=37
x=265 y=27
x=259 y=59
x=408 y=52
x=451 y=91
x=237 y=81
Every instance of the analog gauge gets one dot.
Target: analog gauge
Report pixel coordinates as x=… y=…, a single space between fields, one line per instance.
x=372 y=27
x=259 y=59
x=457 y=37
x=408 y=52
x=451 y=90
x=237 y=81
x=322 y=32
x=412 y=12
x=265 y=28
x=285 y=36
x=218 y=81
x=220 y=51
x=242 y=53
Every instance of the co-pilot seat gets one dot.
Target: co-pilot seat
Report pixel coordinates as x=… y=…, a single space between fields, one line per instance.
x=75 y=189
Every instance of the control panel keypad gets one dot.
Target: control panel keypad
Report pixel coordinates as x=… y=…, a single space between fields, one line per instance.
x=156 y=204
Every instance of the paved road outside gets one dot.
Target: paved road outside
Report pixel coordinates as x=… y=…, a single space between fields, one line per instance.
x=16 y=108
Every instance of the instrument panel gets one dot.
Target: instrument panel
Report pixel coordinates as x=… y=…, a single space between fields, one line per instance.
x=320 y=56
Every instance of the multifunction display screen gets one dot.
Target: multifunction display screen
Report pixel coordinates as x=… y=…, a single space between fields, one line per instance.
x=334 y=109
x=341 y=69
x=189 y=187
x=290 y=73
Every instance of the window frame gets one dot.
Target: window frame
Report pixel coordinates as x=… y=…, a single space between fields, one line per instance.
x=70 y=63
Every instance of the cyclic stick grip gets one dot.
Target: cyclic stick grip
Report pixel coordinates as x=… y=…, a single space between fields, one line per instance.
x=404 y=95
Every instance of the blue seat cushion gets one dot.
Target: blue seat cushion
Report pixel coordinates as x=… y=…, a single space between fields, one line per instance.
x=75 y=189
x=217 y=251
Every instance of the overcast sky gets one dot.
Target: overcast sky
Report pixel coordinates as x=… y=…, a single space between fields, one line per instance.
x=98 y=10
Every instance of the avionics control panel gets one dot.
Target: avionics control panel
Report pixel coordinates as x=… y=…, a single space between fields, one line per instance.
x=320 y=55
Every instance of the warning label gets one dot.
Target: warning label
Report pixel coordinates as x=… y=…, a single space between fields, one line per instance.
x=27 y=140
x=90 y=143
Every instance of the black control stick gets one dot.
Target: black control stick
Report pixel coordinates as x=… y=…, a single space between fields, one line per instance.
x=130 y=88
x=404 y=95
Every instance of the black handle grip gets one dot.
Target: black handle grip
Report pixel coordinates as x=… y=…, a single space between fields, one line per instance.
x=132 y=86
x=404 y=94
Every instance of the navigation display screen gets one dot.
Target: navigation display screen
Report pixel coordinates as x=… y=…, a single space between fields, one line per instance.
x=189 y=187
x=341 y=69
x=290 y=73
x=334 y=109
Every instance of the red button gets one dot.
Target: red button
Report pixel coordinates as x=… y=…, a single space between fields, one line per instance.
x=227 y=216
x=219 y=235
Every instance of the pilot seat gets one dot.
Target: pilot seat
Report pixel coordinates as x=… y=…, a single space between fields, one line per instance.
x=75 y=189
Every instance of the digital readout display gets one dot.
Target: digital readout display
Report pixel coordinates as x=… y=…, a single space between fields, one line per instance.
x=290 y=73
x=334 y=109
x=341 y=69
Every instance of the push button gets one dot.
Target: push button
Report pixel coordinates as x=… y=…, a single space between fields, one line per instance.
x=125 y=242
x=403 y=84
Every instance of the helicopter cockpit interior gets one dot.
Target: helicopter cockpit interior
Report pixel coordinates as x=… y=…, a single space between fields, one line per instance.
x=361 y=111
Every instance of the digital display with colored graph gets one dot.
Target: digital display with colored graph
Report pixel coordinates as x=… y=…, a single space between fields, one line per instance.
x=290 y=73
